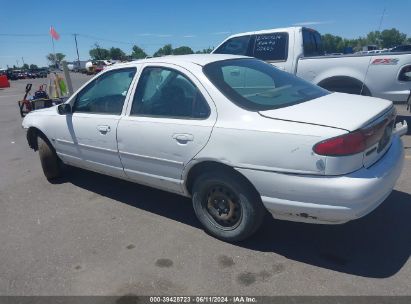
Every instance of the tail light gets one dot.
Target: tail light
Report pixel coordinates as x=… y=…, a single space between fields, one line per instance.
x=357 y=141
x=347 y=144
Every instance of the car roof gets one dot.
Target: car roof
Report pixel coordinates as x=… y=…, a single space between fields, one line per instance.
x=198 y=59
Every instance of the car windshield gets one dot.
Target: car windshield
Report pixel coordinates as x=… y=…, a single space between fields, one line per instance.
x=255 y=85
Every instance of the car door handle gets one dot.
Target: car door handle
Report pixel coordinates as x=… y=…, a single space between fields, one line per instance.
x=183 y=138
x=103 y=129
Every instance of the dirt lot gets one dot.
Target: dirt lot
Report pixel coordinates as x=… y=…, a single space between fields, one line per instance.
x=90 y=234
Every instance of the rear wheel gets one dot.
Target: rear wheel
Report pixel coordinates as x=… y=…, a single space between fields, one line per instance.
x=345 y=85
x=50 y=162
x=227 y=206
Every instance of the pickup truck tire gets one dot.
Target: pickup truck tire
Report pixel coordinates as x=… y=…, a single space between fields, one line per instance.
x=50 y=162
x=227 y=206
x=344 y=84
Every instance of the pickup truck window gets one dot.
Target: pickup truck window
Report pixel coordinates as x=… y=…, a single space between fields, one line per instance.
x=257 y=86
x=312 y=43
x=273 y=46
x=235 y=46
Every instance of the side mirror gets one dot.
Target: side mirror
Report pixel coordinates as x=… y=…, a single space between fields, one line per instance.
x=64 y=108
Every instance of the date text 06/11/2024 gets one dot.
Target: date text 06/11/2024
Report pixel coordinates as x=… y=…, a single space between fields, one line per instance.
x=203 y=299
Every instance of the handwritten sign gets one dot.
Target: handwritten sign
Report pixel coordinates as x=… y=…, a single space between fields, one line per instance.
x=270 y=46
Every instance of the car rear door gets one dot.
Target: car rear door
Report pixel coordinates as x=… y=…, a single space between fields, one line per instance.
x=87 y=137
x=169 y=121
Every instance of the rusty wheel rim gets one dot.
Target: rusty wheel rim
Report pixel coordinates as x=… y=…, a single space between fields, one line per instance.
x=223 y=207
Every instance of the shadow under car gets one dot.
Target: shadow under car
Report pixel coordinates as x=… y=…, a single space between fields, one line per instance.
x=376 y=246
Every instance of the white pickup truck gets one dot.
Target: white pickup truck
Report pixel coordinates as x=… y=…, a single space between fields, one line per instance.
x=298 y=50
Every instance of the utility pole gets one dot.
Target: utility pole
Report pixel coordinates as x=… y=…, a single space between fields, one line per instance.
x=54 y=53
x=78 y=56
x=22 y=59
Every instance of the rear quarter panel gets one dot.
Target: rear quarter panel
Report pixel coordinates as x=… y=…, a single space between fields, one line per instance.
x=254 y=142
x=316 y=69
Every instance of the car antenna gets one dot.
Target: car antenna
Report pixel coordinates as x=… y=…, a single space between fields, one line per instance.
x=369 y=62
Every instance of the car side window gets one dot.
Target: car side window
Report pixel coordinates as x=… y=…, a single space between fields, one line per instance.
x=273 y=46
x=235 y=46
x=163 y=92
x=106 y=94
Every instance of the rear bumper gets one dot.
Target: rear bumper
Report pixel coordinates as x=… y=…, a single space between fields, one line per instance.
x=329 y=199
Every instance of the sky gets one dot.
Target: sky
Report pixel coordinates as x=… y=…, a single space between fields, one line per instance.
x=24 y=32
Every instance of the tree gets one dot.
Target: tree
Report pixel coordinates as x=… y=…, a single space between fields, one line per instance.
x=330 y=43
x=117 y=54
x=385 y=39
x=205 y=51
x=392 y=37
x=374 y=38
x=99 y=53
x=25 y=66
x=55 y=60
x=33 y=67
x=183 y=50
x=336 y=44
x=138 y=52
x=164 y=51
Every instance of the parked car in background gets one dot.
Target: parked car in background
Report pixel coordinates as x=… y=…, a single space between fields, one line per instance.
x=278 y=143
x=21 y=74
x=32 y=74
x=11 y=75
x=299 y=51
x=401 y=48
x=79 y=66
x=42 y=73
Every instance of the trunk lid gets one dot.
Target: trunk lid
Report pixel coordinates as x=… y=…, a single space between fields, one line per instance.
x=373 y=117
x=336 y=110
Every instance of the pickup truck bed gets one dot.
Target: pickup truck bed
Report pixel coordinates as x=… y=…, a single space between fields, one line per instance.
x=298 y=50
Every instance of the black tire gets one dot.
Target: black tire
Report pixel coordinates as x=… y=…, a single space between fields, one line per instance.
x=50 y=162
x=242 y=213
x=344 y=85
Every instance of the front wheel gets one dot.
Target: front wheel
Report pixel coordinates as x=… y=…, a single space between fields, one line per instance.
x=50 y=162
x=227 y=206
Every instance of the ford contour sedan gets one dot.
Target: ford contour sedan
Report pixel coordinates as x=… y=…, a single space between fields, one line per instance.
x=235 y=134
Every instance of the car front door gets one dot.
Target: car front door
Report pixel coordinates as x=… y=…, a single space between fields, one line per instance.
x=87 y=137
x=170 y=120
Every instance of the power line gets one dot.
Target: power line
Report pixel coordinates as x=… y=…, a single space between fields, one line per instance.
x=104 y=39
x=23 y=35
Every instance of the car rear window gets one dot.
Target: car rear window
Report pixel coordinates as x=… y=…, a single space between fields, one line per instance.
x=257 y=86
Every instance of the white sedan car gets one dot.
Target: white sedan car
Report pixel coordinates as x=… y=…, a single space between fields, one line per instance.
x=234 y=133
